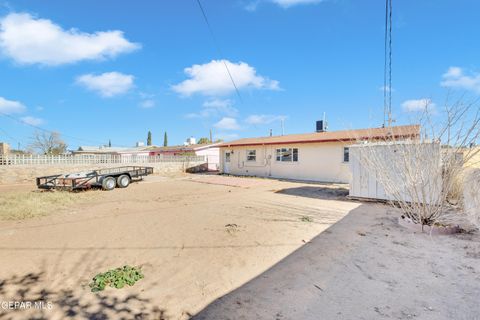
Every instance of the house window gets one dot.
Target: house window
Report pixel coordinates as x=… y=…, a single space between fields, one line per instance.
x=251 y=155
x=346 y=154
x=227 y=157
x=287 y=155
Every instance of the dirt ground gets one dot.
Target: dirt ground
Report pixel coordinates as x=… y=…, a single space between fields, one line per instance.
x=196 y=238
x=235 y=248
x=364 y=267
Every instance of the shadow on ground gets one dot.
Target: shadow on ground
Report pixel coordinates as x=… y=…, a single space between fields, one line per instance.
x=325 y=193
x=57 y=301
x=363 y=267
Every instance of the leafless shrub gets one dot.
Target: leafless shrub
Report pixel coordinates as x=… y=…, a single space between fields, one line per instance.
x=423 y=174
x=48 y=143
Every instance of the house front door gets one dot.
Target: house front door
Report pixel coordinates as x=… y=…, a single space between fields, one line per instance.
x=226 y=162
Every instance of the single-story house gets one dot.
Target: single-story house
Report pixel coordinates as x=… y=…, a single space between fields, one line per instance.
x=209 y=151
x=104 y=150
x=319 y=156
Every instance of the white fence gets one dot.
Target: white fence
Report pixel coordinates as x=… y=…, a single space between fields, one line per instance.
x=11 y=160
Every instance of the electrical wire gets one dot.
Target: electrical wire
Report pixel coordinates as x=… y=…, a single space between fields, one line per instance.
x=46 y=130
x=219 y=51
x=390 y=68
x=387 y=71
x=9 y=136
x=385 y=66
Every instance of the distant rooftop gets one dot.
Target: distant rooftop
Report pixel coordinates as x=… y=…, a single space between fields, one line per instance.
x=190 y=147
x=104 y=149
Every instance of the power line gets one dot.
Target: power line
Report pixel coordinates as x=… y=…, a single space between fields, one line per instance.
x=9 y=136
x=46 y=130
x=390 y=68
x=217 y=47
x=387 y=71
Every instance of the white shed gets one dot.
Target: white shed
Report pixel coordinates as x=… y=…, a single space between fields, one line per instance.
x=408 y=166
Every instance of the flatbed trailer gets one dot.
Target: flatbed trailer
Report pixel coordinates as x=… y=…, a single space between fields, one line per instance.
x=107 y=178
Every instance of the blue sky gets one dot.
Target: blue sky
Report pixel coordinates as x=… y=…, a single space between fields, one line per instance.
x=100 y=70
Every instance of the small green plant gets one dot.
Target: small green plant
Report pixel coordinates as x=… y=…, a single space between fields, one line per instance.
x=116 y=278
x=306 y=219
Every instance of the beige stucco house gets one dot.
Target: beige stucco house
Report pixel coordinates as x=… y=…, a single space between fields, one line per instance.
x=319 y=156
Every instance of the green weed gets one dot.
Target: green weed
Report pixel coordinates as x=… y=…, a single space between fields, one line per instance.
x=306 y=219
x=116 y=278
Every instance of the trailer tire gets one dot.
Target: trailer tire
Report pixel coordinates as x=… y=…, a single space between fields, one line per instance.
x=123 y=181
x=108 y=183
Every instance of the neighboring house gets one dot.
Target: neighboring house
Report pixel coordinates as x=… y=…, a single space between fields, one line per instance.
x=124 y=154
x=95 y=150
x=320 y=156
x=4 y=148
x=211 y=152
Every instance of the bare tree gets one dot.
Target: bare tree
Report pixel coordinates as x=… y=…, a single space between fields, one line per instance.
x=424 y=175
x=48 y=143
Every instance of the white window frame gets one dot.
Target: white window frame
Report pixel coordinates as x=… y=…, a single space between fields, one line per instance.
x=251 y=153
x=280 y=151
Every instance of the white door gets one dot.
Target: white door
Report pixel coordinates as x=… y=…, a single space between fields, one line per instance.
x=226 y=162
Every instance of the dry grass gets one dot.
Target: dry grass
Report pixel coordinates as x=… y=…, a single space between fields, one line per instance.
x=30 y=204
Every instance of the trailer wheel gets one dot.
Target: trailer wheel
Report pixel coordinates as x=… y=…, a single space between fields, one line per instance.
x=108 y=183
x=123 y=181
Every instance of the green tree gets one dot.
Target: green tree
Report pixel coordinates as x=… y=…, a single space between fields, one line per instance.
x=165 y=139
x=203 y=140
x=149 y=138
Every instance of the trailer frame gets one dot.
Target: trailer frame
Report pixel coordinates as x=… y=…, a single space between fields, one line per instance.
x=94 y=178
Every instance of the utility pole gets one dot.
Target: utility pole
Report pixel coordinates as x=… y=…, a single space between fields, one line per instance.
x=387 y=71
x=283 y=127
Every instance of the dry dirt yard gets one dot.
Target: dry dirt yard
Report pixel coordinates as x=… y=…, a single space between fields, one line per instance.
x=195 y=237
x=234 y=248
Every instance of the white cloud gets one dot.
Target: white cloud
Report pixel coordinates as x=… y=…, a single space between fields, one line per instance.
x=258 y=119
x=107 y=84
x=252 y=6
x=285 y=4
x=456 y=78
x=227 y=124
x=149 y=103
x=418 y=105
x=218 y=103
x=10 y=106
x=30 y=40
x=212 y=79
x=290 y=3
x=215 y=108
x=32 y=121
